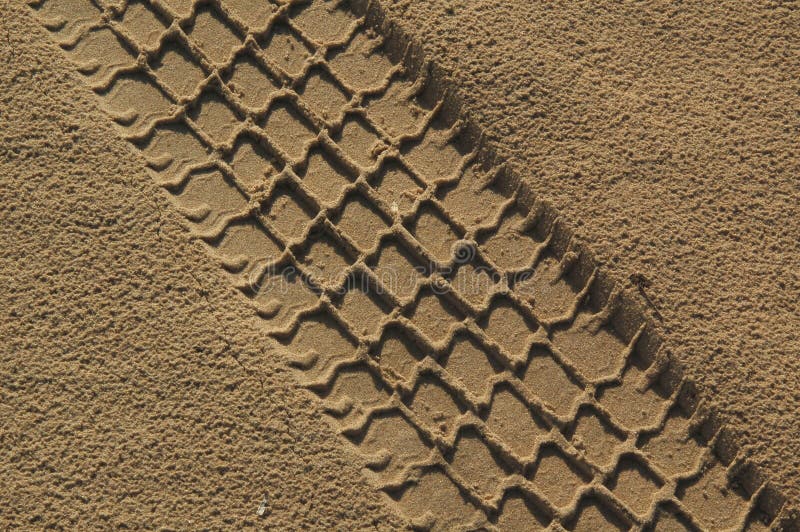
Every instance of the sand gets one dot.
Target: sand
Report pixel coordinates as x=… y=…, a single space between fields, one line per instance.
x=668 y=135
x=121 y=406
x=179 y=354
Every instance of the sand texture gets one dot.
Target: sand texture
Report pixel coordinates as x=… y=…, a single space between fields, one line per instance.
x=308 y=232
x=667 y=134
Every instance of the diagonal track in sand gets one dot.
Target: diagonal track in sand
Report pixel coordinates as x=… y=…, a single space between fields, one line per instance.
x=454 y=330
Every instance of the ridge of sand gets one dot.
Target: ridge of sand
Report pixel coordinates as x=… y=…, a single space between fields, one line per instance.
x=505 y=317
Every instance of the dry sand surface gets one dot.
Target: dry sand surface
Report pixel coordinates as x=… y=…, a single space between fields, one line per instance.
x=453 y=265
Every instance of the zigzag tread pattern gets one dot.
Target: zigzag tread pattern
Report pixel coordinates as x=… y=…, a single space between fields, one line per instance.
x=455 y=331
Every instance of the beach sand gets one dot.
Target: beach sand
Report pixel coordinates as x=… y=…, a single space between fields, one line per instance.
x=446 y=265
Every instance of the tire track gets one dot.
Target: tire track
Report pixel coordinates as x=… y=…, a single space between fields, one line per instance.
x=452 y=327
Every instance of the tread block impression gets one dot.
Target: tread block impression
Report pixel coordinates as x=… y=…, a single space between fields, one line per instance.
x=514 y=423
x=558 y=478
x=442 y=316
x=434 y=499
x=177 y=69
x=214 y=35
x=518 y=512
x=395 y=110
x=393 y=435
x=252 y=162
x=477 y=464
x=251 y=82
x=68 y=18
x=143 y=23
x=101 y=42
